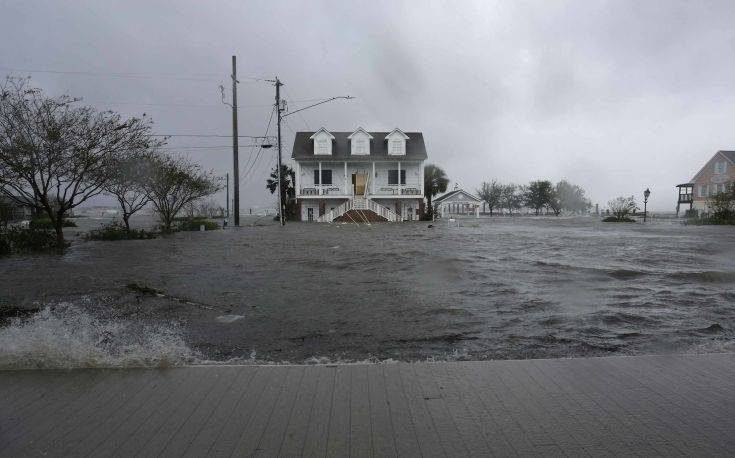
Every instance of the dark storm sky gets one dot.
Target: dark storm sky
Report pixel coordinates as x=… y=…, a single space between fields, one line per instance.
x=615 y=96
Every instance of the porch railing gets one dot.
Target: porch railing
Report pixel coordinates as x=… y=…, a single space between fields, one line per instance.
x=385 y=212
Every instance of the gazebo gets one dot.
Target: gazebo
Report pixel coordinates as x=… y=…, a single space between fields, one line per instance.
x=457 y=202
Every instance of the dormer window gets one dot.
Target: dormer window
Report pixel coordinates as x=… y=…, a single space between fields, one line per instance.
x=360 y=142
x=396 y=143
x=322 y=146
x=322 y=142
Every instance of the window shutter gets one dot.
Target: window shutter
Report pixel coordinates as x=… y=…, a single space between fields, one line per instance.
x=316 y=177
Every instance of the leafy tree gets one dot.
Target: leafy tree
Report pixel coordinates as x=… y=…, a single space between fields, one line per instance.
x=621 y=207
x=126 y=181
x=288 y=188
x=538 y=194
x=571 y=197
x=173 y=183
x=490 y=193
x=510 y=197
x=54 y=154
x=435 y=182
x=722 y=204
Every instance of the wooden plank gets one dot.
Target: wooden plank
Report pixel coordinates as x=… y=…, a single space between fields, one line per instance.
x=301 y=416
x=381 y=424
x=426 y=432
x=207 y=435
x=360 y=425
x=179 y=442
x=251 y=433
x=338 y=438
x=275 y=430
x=317 y=433
x=404 y=433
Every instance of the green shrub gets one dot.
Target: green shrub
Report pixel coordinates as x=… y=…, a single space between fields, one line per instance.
x=20 y=240
x=116 y=231
x=615 y=219
x=45 y=223
x=194 y=224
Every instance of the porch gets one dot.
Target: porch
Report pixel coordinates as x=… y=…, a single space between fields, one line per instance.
x=346 y=179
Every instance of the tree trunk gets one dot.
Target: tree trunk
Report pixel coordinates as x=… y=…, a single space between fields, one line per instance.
x=59 y=228
x=126 y=220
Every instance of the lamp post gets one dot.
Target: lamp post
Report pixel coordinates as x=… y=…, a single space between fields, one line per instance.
x=646 y=193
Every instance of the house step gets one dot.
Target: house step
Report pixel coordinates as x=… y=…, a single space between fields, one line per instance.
x=359 y=216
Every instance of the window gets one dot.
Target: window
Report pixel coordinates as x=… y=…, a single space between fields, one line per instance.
x=702 y=190
x=360 y=146
x=326 y=176
x=396 y=147
x=393 y=176
x=720 y=167
x=322 y=146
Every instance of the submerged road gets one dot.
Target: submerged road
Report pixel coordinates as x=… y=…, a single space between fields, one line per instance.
x=614 y=406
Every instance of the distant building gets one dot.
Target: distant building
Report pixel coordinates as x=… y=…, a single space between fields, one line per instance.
x=716 y=175
x=11 y=211
x=456 y=203
x=359 y=176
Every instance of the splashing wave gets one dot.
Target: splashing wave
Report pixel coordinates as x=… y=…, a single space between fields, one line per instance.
x=64 y=336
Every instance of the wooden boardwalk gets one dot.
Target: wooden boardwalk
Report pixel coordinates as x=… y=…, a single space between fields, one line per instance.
x=617 y=406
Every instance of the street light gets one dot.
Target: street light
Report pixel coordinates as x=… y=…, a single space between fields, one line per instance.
x=646 y=193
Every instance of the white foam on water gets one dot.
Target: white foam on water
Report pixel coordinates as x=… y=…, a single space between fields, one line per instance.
x=64 y=336
x=228 y=318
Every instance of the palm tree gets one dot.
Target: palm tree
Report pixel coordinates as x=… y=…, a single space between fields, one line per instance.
x=435 y=181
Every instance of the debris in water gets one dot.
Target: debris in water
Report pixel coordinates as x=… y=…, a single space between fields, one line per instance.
x=228 y=318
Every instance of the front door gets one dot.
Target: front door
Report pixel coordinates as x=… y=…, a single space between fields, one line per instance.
x=310 y=214
x=322 y=208
x=358 y=181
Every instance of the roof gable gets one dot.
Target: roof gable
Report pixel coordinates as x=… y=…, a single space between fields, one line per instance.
x=359 y=130
x=303 y=148
x=322 y=130
x=397 y=133
x=457 y=194
x=727 y=155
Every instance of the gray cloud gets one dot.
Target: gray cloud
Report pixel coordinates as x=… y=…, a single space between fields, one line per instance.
x=616 y=96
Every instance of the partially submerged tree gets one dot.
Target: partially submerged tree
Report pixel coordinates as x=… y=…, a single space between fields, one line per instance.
x=490 y=193
x=288 y=188
x=621 y=207
x=435 y=182
x=126 y=180
x=538 y=194
x=510 y=197
x=722 y=204
x=173 y=183
x=571 y=197
x=54 y=154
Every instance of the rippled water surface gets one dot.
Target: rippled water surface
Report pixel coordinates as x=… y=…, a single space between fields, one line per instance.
x=492 y=288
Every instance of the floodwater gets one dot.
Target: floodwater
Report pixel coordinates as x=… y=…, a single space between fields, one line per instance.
x=491 y=288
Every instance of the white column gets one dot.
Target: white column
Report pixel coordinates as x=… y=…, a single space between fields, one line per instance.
x=372 y=180
x=399 y=178
x=345 y=181
x=320 y=178
x=421 y=178
x=298 y=179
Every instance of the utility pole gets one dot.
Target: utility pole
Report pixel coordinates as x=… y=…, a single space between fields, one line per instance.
x=228 y=197
x=235 y=165
x=280 y=173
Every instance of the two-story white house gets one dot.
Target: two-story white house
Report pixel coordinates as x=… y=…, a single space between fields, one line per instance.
x=359 y=176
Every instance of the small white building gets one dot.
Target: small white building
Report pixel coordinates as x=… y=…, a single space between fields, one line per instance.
x=365 y=175
x=457 y=202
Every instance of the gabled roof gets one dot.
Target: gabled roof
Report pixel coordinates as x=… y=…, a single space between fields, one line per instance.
x=453 y=193
x=729 y=155
x=320 y=131
x=360 y=129
x=399 y=132
x=303 y=148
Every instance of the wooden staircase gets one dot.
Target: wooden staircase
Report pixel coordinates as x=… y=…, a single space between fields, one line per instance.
x=360 y=216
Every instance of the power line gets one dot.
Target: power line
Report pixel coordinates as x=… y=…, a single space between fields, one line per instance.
x=260 y=149
x=186 y=105
x=128 y=75
x=206 y=136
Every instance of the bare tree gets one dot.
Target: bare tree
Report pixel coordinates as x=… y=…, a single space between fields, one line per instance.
x=491 y=194
x=621 y=207
x=54 y=154
x=126 y=181
x=174 y=183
